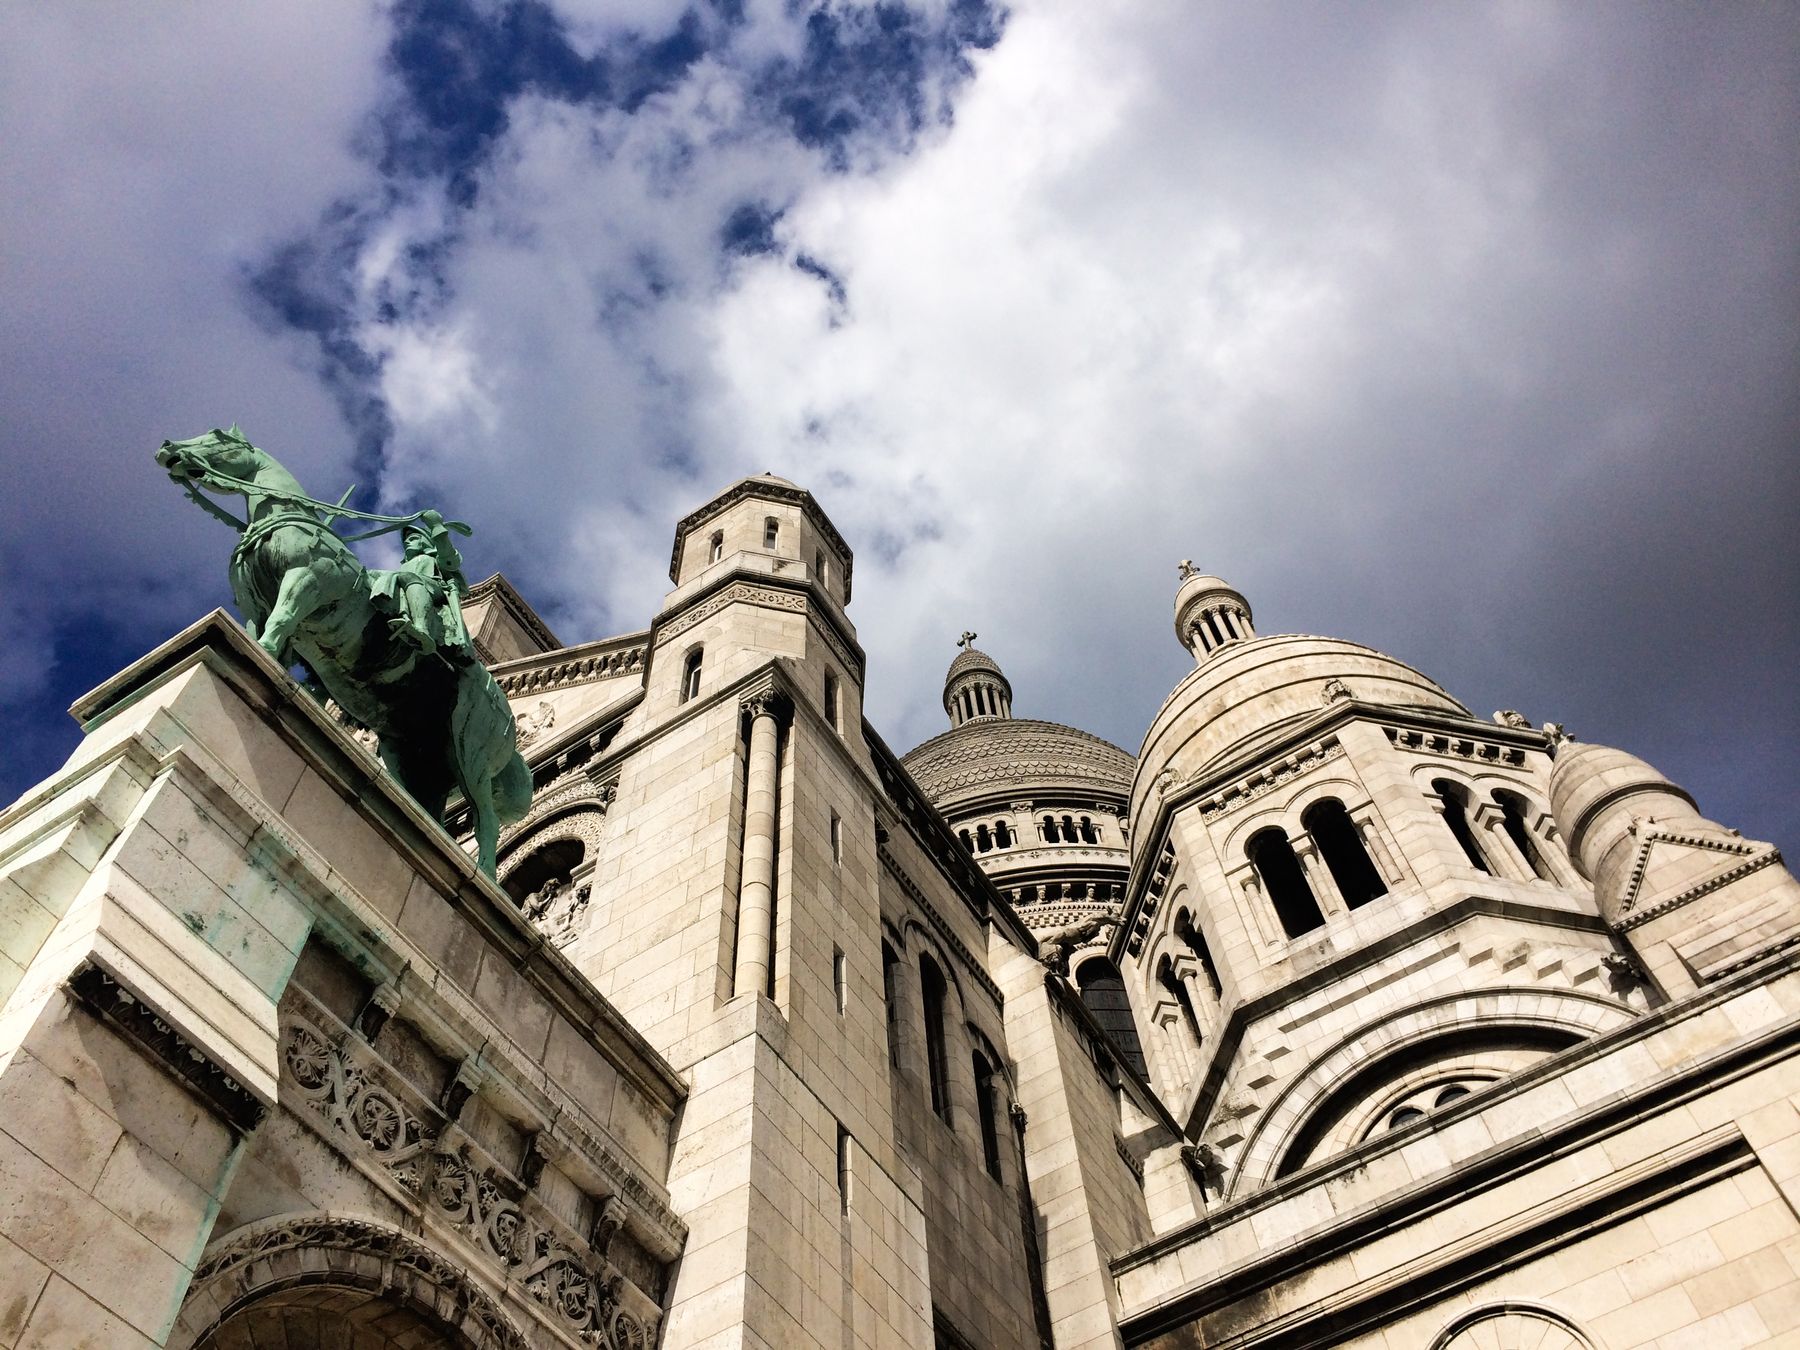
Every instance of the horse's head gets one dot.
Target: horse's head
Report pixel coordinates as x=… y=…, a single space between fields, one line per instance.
x=217 y=453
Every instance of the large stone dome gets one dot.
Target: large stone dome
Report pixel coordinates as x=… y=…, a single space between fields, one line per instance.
x=1016 y=757
x=1248 y=692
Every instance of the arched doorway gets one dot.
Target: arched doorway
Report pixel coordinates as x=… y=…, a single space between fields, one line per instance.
x=330 y=1280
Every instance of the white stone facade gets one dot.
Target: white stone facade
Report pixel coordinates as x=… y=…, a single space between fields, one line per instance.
x=1335 y=1016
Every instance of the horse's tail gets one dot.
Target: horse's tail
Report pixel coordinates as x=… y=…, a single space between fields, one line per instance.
x=512 y=790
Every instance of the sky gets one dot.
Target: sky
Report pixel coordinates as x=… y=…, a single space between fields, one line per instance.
x=1470 y=332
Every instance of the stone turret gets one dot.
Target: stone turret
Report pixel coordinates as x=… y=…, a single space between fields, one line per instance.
x=975 y=686
x=1694 y=899
x=1210 y=613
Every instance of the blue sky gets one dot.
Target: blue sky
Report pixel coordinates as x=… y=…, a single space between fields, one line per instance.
x=1469 y=332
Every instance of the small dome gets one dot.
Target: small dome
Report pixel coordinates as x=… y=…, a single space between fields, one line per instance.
x=1247 y=692
x=1016 y=757
x=971 y=659
x=1597 y=793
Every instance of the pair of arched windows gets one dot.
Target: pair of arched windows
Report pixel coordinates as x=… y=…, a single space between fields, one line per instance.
x=1340 y=846
x=1459 y=807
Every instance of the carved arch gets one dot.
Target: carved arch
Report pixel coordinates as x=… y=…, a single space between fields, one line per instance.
x=340 y=1251
x=1508 y=1323
x=1521 y=1009
x=1286 y=816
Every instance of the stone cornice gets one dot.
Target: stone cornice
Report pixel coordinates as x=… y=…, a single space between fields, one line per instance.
x=775 y=492
x=602 y=660
x=739 y=586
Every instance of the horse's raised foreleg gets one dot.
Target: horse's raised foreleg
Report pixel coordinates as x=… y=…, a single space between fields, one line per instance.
x=487 y=824
x=303 y=590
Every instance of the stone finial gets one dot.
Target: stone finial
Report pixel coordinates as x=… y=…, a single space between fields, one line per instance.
x=1187 y=569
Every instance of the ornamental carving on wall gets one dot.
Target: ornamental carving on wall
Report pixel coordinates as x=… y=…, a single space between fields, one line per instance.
x=443 y=1177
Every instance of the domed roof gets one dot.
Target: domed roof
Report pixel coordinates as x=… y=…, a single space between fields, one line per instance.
x=1588 y=780
x=1247 y=692
x=1018 y=756
x=970 y=659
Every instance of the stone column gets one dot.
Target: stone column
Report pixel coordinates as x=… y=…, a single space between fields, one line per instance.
x=1318 y=876
x=756 y=892
x=1498 y=844
x=1377 y=850
x=1200 y=993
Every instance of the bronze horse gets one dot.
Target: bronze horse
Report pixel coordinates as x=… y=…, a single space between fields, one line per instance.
x=442 y=721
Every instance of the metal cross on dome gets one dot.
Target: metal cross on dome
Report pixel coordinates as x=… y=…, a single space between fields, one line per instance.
x=966 y=641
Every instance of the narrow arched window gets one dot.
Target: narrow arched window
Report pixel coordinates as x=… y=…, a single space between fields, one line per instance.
x=771 y=532
x=831 y=701
x=1341 y=846
x=1087 y=831
x=1456 y=816
x=890 y=967
x=1103 y=994
x=1176 y=988
x=1068 y=830
x=715 y=548
x=821 y=568
x=937 y=1061
x=1512 y=817
x=984 y=839
x=968 y=841
x=986 y=1106
x=1003 y=835
x=1284 y=883
x=1049 y=829
x=1191 y=937
x=690 y=674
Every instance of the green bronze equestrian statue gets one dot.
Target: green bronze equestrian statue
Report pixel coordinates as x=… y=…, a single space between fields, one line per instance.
x=389 y=646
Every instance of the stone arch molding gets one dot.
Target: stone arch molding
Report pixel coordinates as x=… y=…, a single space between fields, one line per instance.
x=1512 y=1324
x=1527 y=1009
x=344 y=1251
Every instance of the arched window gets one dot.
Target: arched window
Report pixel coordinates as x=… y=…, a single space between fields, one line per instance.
x=1173 y=985
x=1049 y=829
x=968 y=841
x=1284 y=883
x=831 y=700
x=937 y=1062
x=715 y=548
x=1512 y=817
x=1192 y=939
x=553 y=864
x=821 y=568
x=771 y=532
x=690 y=674
x=1103 y=993
x=1342 y=848
x=985 y=1091
x=890 y=964
x=1088 y=834
x=1456 y=816
x=984 y=839
x=1068 y=830
x=1003 y=835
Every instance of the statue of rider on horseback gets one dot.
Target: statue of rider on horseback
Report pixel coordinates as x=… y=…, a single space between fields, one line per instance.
x=389 y=647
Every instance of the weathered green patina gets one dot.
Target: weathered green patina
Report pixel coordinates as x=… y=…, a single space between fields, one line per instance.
x=389 y=646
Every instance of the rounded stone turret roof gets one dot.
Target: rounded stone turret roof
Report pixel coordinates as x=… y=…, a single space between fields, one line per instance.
x=1248 y=692
x=1016 y=756
x=972 y=659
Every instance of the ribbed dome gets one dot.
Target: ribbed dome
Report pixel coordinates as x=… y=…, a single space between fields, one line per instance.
x=1597 y=793
x=971 y=659
x=1016 y=756
x=1248 y=691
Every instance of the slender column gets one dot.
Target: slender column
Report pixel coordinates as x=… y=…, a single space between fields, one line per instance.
x=1318 y=876
x=1384 y=862
x=756 y=893
x=1498 y=844
x=1200 y=993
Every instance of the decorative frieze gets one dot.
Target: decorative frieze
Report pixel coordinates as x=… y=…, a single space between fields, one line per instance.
x=434 y=1166
x=600 y=665
x=1269 y=777
x=1462 y=747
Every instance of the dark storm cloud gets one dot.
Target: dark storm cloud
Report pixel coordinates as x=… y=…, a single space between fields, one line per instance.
x=1466 y=332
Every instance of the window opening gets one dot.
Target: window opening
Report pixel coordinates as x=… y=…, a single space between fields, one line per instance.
x=820 y=566
x=890 y=965
x=837 y=839
x=716 y=548
x=1512 y=818
x=1088 y=835
x=1003 y=836
x=1191 y=937
x=984 y=1101
x=771 y=531
x=1103 y=992
x=1342 y=848
x=840 y=979
x=931 y=982
x=843 y=1169
x=984 y=840
x=1456 y=816
x=1284 y=883
x=1068 y=830
x=831 y=700
x=1049 y=829
x=690 y=674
